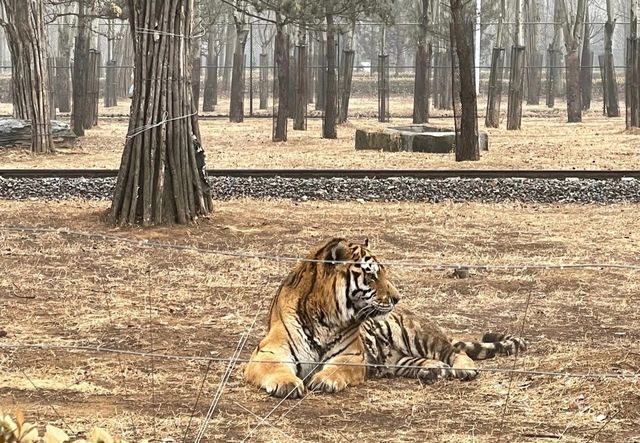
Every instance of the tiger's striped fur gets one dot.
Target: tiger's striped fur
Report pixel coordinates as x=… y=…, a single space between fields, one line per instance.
x=332 y=324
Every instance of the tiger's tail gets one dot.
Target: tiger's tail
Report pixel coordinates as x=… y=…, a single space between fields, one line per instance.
x=492 y=344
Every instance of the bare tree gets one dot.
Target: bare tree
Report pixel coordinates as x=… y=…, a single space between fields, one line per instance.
x=161 y=178
x=423 y=60
x=236 y=99
x=467 y=140
x=609 y=83
x=24 y=26
x=573 y=28
x=494 y=95
x=516 y=80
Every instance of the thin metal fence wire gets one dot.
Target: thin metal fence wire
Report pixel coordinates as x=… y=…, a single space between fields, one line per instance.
x=288 y=258
x=105 y=350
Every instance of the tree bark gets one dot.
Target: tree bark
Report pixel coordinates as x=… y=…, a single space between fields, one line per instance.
x=586 y=70
x=236 y=99
x=609 y=83
x=210 y=98
x=281 y=56
x=348 y=57
x=27 y=40
x=573 y=36
x=300 y=107
x=467 y=141
x=263 y=82
x=162 y=176
x=516 y=88
x=329 y=129
x=80 y=71
x=494 y=96
x=423 y=59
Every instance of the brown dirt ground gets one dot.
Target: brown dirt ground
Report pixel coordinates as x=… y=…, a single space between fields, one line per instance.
x=62 y=289
x=545 y=142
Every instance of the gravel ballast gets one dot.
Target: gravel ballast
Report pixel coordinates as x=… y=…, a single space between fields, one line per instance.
x=362 y=190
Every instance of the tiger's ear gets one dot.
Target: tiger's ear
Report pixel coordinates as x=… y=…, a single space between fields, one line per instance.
x=366 y=243
x=340 y=252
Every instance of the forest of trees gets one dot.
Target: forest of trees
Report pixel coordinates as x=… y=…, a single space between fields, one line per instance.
x=188 y=53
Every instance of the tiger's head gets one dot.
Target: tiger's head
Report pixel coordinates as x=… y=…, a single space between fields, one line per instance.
x=361 y=287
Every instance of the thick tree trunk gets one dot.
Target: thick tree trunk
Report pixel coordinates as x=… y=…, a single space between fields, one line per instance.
x=348 y=56
x=574 y=99
x=27 y=40
x=92 y=87
x=494 y=97
x=230 y=37
x=161 y=178
x=467 y=140
x=62 y=73
x=110 y=95
x=421 y=81
x=80 y=71
x=329 y=129
x=609 y=82
x=281 y=56
x=236 y=99
x=552 y=67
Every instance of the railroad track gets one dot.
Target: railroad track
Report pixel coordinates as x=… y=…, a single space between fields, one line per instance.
x=349 y=173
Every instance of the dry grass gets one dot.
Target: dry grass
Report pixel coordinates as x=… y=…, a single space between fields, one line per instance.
x=545 y=142
x=86 y=292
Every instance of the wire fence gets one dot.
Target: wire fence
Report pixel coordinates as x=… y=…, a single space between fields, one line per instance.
x=230 y=362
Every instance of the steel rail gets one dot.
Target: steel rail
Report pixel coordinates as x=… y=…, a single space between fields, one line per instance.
x=432 y=174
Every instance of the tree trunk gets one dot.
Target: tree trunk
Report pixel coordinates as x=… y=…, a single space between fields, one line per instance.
x=516 y=88
x=27 y=40
x=210 y=98
x=329 y=129
x=423 y=59
x=264 y=79
x=586 y=70
x=609 y=83
x=552 y=63
x=533 y=66
x=110 y=96
x=236 y=99
x=162 y=172
x=348 y=56
x=300 y=110
x=320 y=73
x=494 y=97
x=467 y=140
x=281 y=56
x=62 y=74
x=230 y=36
x=196 y=68
x=574 y=99
x=80 y=71
x=92 y=88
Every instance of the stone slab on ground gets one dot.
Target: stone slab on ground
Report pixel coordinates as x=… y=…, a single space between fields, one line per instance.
x=413 y=138
x=17 y=133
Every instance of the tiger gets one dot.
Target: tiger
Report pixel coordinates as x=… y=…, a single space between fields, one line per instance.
x=335 y=321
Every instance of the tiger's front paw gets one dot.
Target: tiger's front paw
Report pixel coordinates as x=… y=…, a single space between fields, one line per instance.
x=289 y=387
x=328 y=382
x=435 y=370
x=464 y=368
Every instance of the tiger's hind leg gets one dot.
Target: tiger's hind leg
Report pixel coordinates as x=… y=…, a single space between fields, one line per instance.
x=492 y=344
x=404 y=345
